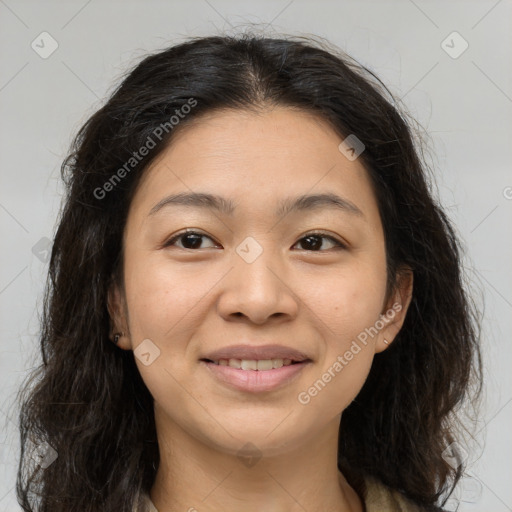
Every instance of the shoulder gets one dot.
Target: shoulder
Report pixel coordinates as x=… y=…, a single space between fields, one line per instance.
x=380 y=498
x=377 y=498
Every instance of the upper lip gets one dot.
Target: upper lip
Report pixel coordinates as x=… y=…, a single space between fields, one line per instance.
x=260 y=352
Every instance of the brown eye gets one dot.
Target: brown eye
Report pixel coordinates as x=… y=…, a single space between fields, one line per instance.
x=313 y=242
x=189 y=240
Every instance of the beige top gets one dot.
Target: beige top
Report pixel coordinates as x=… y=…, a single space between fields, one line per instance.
x=378 y=498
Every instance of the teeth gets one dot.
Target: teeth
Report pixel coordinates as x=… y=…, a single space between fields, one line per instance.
x=249 y=364
x=253 y=364
x=265 y=364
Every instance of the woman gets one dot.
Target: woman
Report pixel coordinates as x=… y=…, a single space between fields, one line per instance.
x=254 y=301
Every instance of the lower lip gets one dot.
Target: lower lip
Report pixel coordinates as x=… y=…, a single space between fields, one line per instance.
x=256 y=381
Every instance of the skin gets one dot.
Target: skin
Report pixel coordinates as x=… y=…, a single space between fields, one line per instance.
x=312 y=296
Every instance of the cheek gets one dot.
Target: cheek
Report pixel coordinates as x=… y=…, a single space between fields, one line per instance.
x=164 y=306
x=167 y=304
x=349 y=306
x=349 y=301
x=348 y=354
x=336 y=384
x=163 y=298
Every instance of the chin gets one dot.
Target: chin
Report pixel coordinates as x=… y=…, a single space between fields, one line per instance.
x=251 y=440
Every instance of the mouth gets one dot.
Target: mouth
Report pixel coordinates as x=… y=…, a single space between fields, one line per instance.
x=255 y=375
x=255 y=364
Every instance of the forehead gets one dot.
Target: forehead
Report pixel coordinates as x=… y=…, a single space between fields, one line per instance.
x=257 y=159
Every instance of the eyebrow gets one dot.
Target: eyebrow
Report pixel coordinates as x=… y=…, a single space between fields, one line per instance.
x=289 y=205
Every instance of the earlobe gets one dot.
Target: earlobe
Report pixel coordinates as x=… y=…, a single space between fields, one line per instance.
x=396 y=310
x=118 y=325
x=117 y=337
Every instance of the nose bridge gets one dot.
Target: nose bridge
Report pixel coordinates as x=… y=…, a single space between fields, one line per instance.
x=257 y=286
x=257 y=263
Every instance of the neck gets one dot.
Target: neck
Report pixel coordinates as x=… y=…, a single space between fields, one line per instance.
x=198 y=476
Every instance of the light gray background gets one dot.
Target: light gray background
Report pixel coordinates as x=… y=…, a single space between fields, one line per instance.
x=465 y=104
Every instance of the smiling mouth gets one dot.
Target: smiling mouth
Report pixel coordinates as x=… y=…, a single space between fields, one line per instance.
x=255 y=375
x=255 y=364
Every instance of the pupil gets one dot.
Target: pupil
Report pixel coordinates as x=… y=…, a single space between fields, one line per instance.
x=195 y=243
x=316 y=245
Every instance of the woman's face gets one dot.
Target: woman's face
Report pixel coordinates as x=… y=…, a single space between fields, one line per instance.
x=311 y=278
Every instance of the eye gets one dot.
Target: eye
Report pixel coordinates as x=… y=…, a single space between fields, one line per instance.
x=190 y=240
x=315 y=241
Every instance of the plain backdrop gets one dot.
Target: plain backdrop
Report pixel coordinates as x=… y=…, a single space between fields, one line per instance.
x=59 y=60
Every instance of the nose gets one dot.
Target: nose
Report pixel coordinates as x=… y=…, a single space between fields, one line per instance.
x=257 y=291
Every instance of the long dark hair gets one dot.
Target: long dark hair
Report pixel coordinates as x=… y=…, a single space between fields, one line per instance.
x=87 y=401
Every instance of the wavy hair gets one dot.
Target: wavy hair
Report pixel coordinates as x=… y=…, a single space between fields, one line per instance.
x=87 y=400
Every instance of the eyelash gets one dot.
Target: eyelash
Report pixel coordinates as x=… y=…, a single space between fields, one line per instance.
x=319 y=234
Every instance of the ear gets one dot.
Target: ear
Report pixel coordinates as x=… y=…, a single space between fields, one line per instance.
x=117 y=310
x=395 y=310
